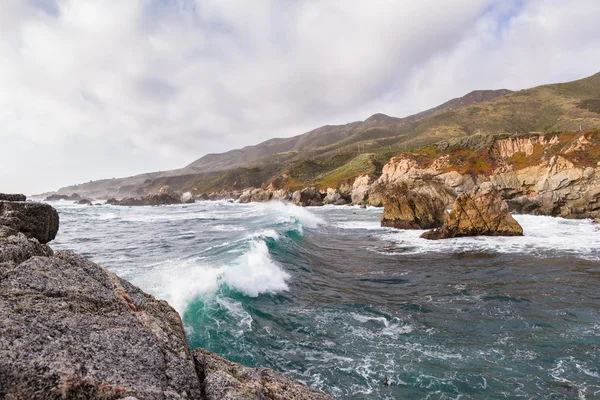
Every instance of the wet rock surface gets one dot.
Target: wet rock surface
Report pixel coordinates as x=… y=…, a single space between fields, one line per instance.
x=481 y=212
x=407 y=207
x=224 y=380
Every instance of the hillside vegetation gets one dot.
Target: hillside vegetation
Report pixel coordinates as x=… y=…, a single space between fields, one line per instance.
x=331 y=155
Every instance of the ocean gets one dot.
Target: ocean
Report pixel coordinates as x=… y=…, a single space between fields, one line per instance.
x=329 y=297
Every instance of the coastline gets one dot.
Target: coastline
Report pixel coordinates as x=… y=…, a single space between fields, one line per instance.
x=93 y=335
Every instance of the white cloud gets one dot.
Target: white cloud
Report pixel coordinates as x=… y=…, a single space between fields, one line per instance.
x=92 y=89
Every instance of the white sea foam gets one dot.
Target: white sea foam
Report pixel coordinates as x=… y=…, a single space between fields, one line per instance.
x=290 y=213
x=542 y=236
x=254 y=272
x=181 y=281
x=235 y=309
x=267 y=233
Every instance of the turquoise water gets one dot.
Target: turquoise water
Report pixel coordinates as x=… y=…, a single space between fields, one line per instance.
x=329 y=297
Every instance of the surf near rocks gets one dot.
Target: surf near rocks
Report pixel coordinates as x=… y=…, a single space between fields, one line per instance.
x=90 y=334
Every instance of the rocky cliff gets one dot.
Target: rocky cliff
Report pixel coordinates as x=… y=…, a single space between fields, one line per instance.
x=555 y=174
x=70 y=329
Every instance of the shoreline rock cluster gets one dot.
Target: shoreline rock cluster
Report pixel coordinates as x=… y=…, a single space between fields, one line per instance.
x=70 y=329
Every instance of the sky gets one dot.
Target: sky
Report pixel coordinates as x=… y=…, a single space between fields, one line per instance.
x=99 y=89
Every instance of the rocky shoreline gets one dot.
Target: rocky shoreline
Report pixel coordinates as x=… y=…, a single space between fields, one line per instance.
x=70 y=329
x=539 y=174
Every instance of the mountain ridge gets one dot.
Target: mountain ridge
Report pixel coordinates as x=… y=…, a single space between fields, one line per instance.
x=331 y=154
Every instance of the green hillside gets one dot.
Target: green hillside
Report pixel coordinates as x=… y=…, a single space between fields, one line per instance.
x=331 y=155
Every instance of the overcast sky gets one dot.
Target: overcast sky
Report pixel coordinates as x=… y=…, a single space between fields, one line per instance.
x=98 y=89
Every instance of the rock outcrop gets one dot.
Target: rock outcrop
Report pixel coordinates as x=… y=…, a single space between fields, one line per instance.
x=223 y=379
x=70 y=329
x=12 y=197
x=333 y=196
x=360 y=189
x=307 y=197
x=541 y=174
x=34 y=220
x=163 y=196
x=481 y=212
x=84 y=202
x=56 y=197
x=407 y=207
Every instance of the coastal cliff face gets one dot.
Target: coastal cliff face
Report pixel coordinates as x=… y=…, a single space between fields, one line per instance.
x=551 y=174
x=70 y=329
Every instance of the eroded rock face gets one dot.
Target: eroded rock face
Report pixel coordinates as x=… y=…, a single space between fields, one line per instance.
x=88 y=334
x=224 y=380
x=307 y=197
x=408 y=207
x=333 y=196
x=12 y=197
x=360 y=189
x=282 y=195
x=163 y=196
x=34 y=220
x=481 y=212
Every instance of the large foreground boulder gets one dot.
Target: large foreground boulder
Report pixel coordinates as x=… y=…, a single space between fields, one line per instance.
x=34 y=220
x=409 y=208
x=481 y=212
x=69 y=329
x=223 y=379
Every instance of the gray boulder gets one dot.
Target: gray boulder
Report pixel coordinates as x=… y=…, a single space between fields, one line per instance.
x=34 y=220
x=224 y=380
x=69 y=329
x=12 y=197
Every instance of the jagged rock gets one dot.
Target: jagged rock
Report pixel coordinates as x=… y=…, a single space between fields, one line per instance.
x=282 y=195
x=224 y=380
x=260 y=196
x=18 y=248
x=333 y=196
x=56 y=197
x=112 y=201
x=187 y=198
x=164 y=196
x=69 y=329
x=307 y=197
x=131 y=201
x=412 y=208
x=12 y=197
x=246 y=196
x=360 y=189
x=84 y=202
x=34 y=220
x=376 y=194
x=479 y=212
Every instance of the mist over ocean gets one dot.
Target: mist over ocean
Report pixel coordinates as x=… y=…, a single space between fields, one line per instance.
x=331 y=298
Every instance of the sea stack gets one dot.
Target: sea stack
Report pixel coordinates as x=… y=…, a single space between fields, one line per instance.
x=480 y=212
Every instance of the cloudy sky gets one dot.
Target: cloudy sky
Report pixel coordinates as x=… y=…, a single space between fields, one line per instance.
x=98 y=89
